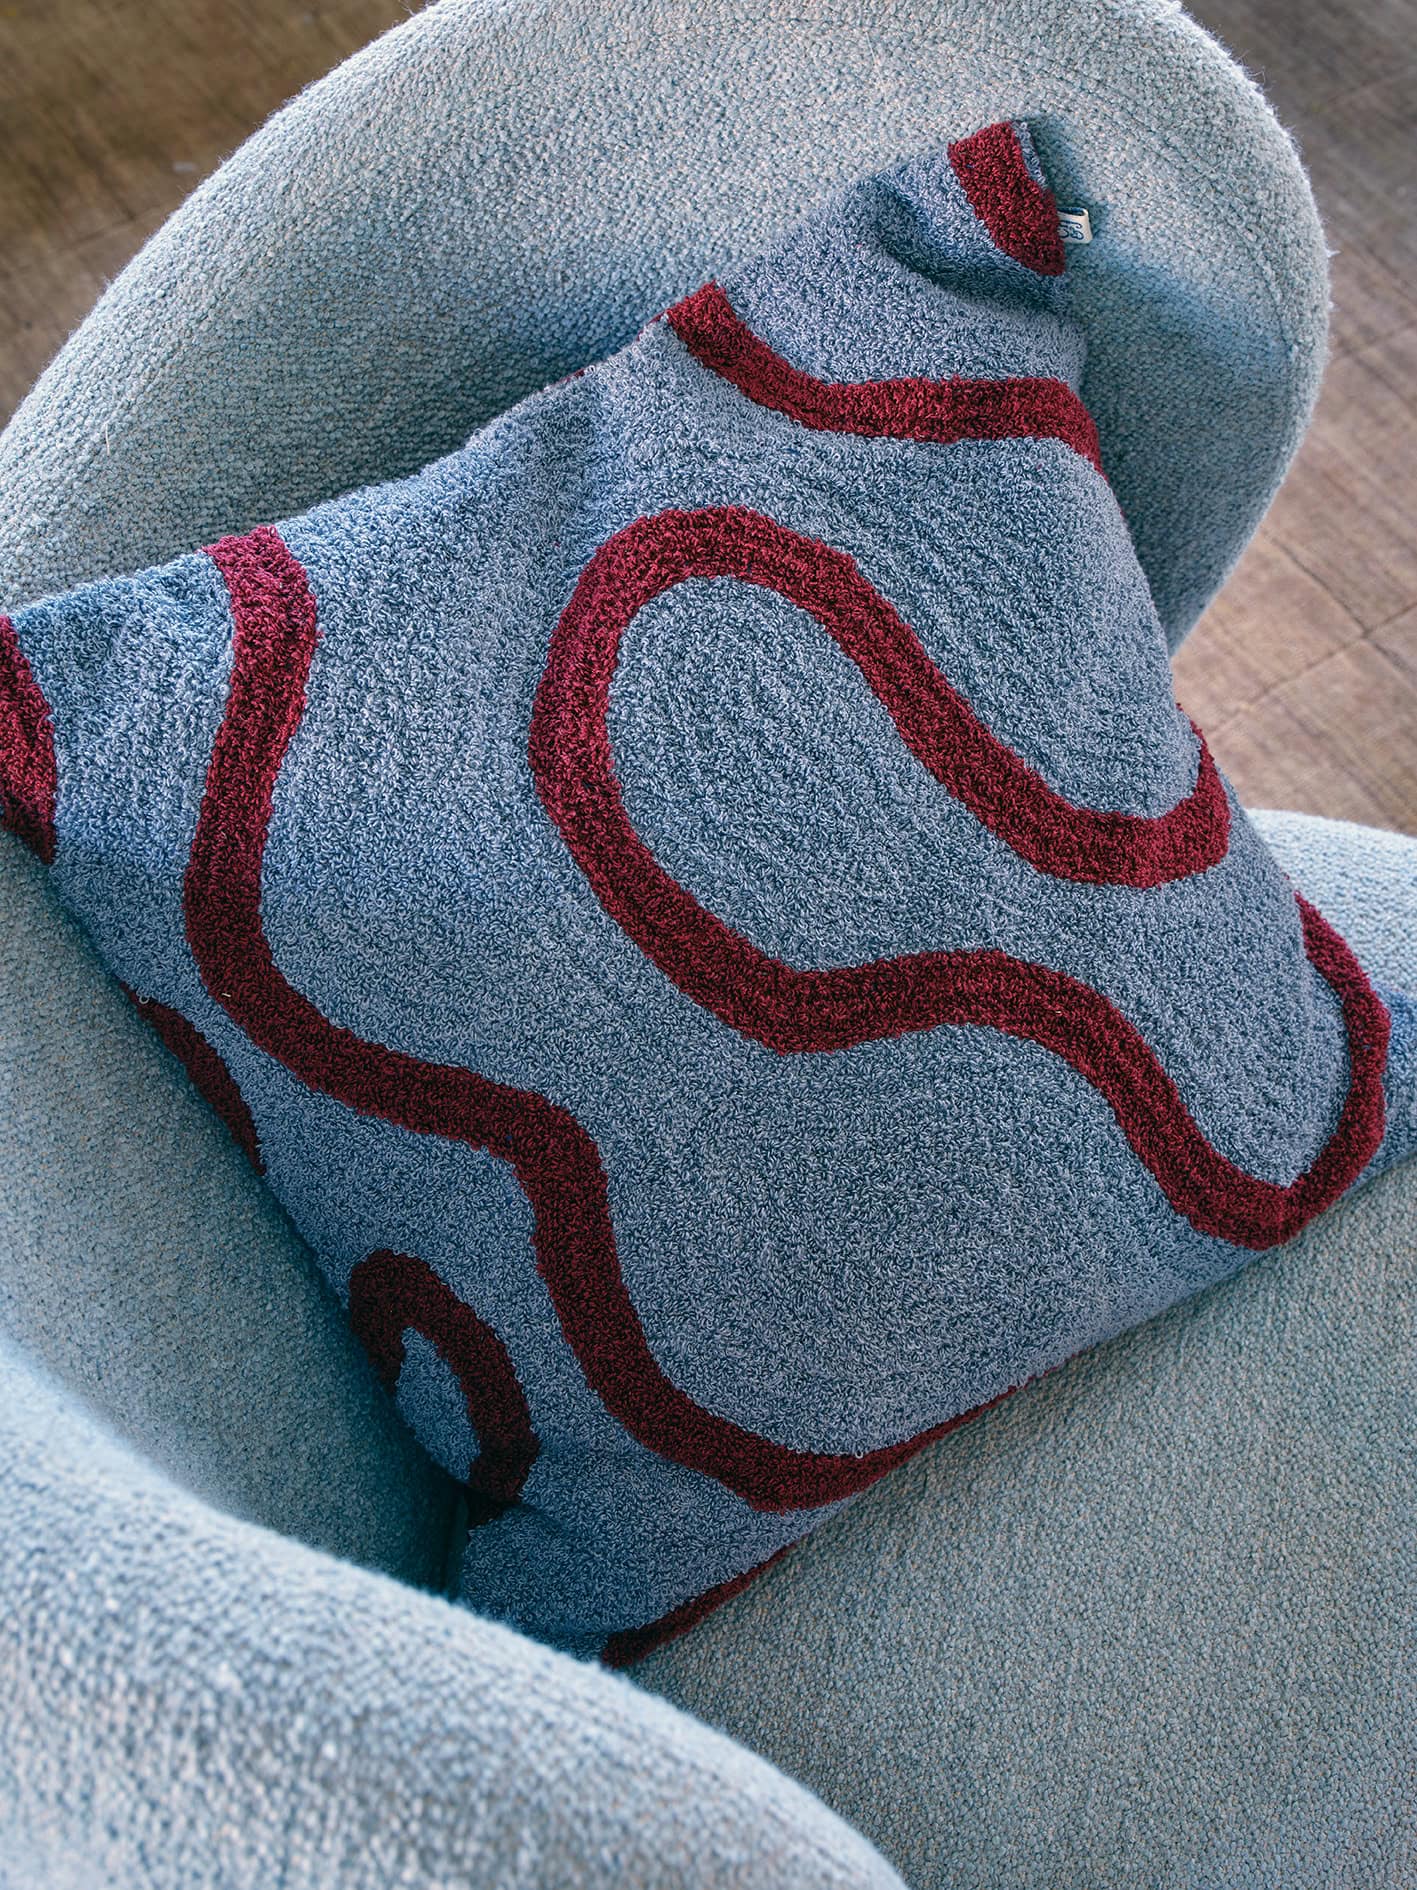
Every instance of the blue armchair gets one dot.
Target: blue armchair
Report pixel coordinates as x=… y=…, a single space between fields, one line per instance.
x=1146 y=1623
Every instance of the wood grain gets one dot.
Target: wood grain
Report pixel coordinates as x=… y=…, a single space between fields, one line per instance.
x=110 y=112
x=1304 y=671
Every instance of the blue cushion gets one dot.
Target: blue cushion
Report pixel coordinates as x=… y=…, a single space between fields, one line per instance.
x=250 y=361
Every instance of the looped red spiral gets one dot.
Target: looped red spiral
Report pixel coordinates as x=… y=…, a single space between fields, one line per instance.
x=570 y=745
x=394 y=1293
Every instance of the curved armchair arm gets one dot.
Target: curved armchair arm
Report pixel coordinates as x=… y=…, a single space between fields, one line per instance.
x=493 y=194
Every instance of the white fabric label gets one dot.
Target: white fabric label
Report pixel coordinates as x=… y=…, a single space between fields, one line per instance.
x=1075 y=226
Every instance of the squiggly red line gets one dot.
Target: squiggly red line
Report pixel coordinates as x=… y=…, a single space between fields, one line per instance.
x=29 y=778
x=792 y=1010
x=1021 y=407
x=637 y=1643
x=570 y=747
x=556 y=1163
x=391 y=1293
x=210 y=1076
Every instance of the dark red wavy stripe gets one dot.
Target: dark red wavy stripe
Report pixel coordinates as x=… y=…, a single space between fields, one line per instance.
x=28 y=774
x=570 y=746
x=555 y=1161
x=906 y=409
x=632 y=1644
x=394 y=1293
x=1019 y=214
x=209 y=1074
x=791 y=1010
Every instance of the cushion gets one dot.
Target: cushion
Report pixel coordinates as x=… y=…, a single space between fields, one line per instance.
x=202 y=394
x=1148 y=1624
x=703 y=909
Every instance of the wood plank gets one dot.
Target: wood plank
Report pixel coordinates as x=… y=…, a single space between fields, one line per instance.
x=111 y=111
x=1371 y=300
x=1303 y=52
x=42 y=302
x=1358 y=146
x=1398 y=642
x=1346 y=512
x=1272 y=621
x=1337 y=740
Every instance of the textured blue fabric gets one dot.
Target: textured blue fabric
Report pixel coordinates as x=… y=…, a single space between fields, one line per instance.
x=142 y=1261
x=1149 y=1624
x=835 y=1250
x=194 y=1703
x=532 y=181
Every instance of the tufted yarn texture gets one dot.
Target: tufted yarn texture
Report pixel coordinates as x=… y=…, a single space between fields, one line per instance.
x=532 y=181
x=194 y=1703
x=704 y=911
x=1149 y=1624
x=143 y=1265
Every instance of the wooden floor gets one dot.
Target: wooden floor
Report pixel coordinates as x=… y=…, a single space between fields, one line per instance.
x=1304 y=672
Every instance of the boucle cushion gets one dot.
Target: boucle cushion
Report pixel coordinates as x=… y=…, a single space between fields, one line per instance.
x=704 y=910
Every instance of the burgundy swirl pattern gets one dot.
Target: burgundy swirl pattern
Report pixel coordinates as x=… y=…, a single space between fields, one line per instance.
x=28 y=774
x=570 y=748
x=209 y=1074
x=1020 y=215
x=792 y=1010
x=394 y=1293
x=556 y=1163
x=1021 y=407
